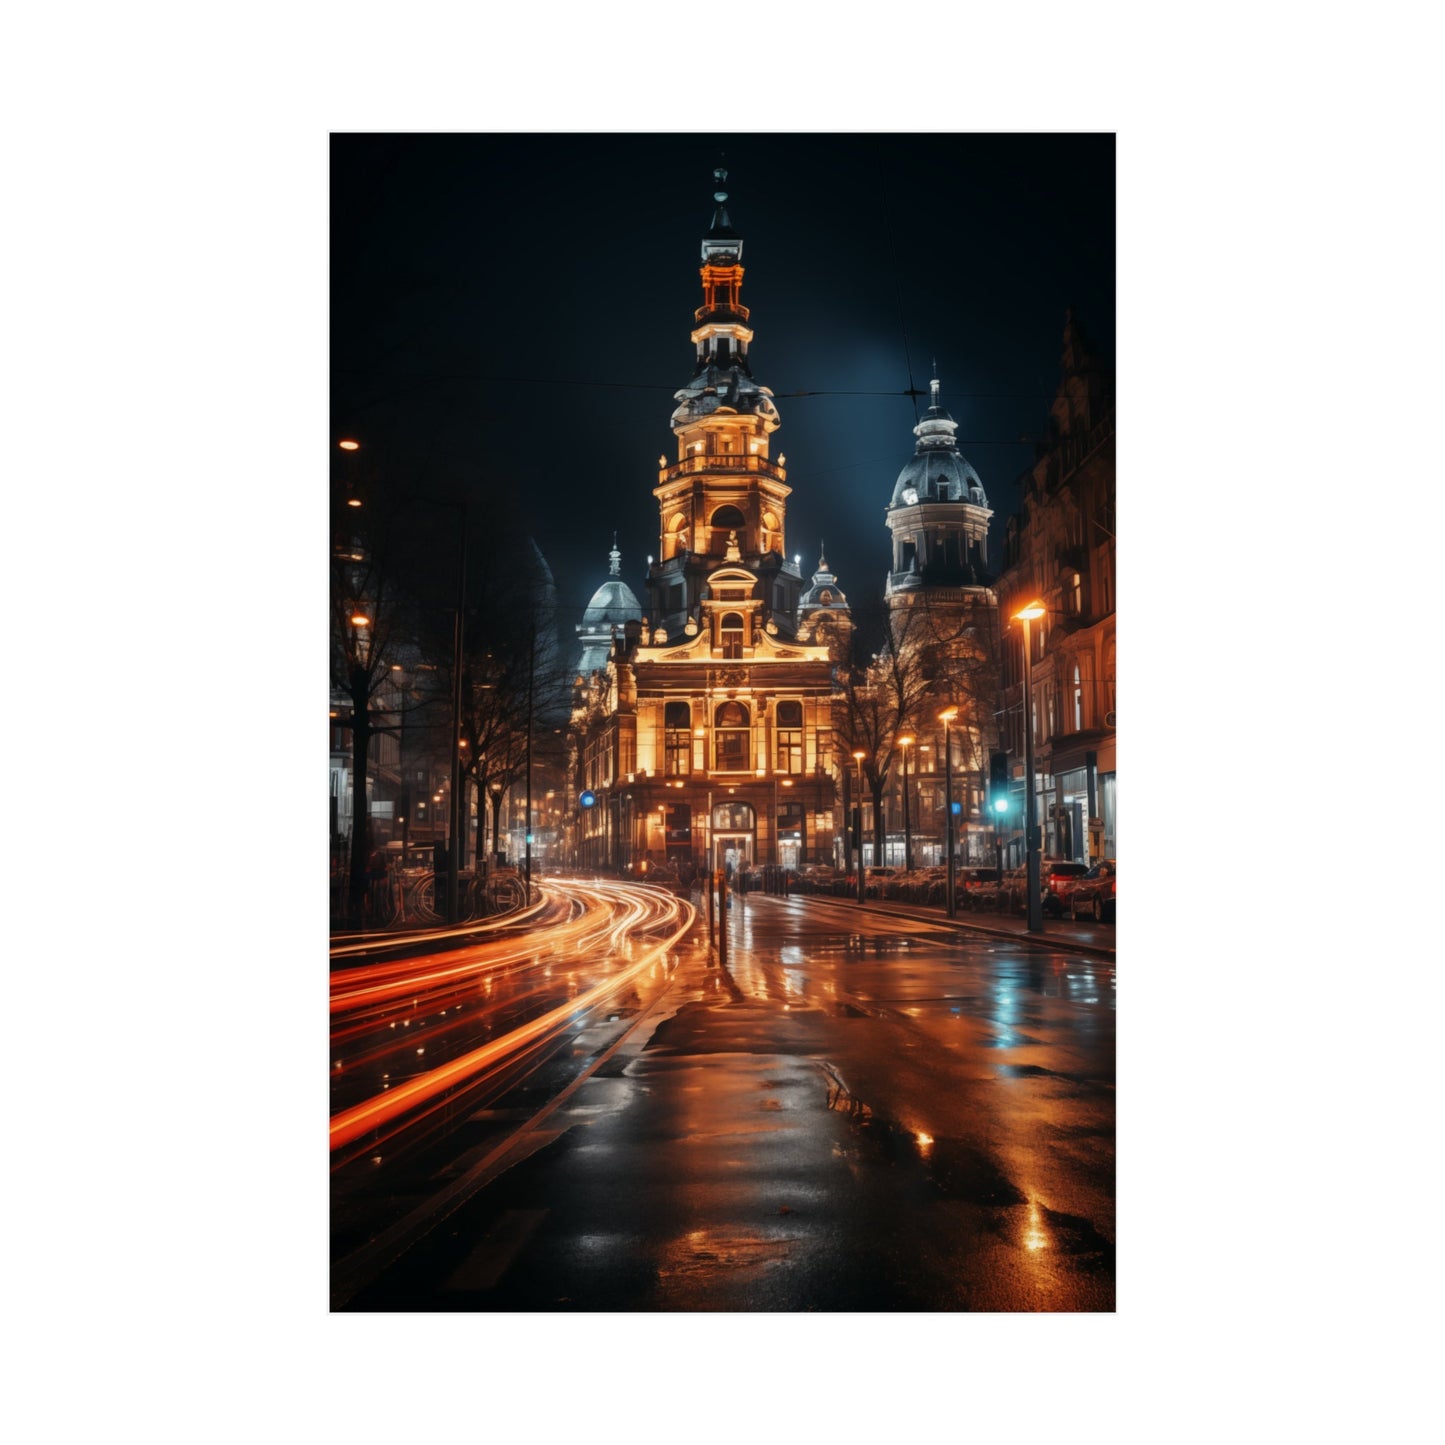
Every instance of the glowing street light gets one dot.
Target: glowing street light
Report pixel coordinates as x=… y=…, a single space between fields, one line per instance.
x=858 y=758
x=946 y=717
x=1027 y=614
x=904 y=743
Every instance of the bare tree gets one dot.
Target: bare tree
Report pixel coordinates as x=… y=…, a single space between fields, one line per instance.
x=370 y=626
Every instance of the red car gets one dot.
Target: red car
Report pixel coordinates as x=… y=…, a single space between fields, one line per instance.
x=1056 y=878
x=1095 y=893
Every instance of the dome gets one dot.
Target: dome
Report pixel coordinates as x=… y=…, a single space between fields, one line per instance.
x=938 y=477
x=613 y=601
x=727 y=388
x=825 y=591
x=937 y=471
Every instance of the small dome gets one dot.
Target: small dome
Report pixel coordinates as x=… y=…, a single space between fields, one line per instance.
x=824 y=592
x=937 y=471
x=613 y=601
x=938 y=476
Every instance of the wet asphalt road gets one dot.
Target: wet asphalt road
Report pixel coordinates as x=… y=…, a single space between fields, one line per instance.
x=861 y=1112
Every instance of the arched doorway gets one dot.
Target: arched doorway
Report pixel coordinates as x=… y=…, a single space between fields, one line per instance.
x=734 y=838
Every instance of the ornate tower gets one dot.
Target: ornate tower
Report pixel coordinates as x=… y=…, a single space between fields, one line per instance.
x=938 y=516
x=723 y=500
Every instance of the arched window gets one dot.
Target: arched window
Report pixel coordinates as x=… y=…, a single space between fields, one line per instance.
x=730 y=634
x=1078 y=700
x=790 y=737
x=731 y=732
x=677 y=744
x=725 y=520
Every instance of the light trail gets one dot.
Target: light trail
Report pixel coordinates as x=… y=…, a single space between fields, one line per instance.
x=596 y=928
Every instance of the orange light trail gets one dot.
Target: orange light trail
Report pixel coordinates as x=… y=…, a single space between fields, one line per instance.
x=604 y=929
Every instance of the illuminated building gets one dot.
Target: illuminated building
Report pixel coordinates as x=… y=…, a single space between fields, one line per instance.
x=1060 y=549
x=943 y=623
x=707 y=740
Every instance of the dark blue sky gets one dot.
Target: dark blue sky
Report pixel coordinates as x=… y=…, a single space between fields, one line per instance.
x=510 y=315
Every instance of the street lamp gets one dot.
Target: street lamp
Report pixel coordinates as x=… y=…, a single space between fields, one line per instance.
x=904 y=743
x=1031 y=825
x=858 y=758
x=946 y=717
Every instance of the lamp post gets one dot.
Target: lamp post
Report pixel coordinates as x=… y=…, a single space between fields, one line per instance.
x=904 y=743
x=1031 y=824
x=858 y=758
x=946 y=717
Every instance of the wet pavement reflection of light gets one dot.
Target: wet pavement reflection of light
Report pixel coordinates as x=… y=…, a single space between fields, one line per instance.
x=491 y=1001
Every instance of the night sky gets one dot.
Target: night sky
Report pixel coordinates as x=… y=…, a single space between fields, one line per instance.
x=510 y=316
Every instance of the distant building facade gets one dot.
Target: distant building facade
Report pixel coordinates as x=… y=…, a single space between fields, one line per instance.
x=1060 y=549
x=943 y=618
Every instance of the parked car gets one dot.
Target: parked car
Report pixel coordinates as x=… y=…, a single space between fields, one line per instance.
x=1094 y=894
x=1056 y=877
x=977 y=888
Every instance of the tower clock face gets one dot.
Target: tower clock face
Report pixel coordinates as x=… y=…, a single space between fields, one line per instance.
x=910 y=496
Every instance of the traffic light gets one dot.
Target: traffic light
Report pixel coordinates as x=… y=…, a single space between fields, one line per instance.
x=998 y=778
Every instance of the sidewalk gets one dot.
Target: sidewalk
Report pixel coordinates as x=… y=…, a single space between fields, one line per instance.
x=1094 y=938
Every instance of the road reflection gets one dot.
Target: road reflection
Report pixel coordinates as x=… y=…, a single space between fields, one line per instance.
x=408 y=1036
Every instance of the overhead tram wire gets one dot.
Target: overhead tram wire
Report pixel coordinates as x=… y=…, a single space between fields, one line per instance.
x=910 y=391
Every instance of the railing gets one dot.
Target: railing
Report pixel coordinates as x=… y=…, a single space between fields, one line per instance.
x=722 y=462
x=736 y=309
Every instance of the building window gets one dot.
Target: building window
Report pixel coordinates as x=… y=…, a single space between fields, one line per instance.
x=723 y=521
x=825 y=750
x=678 y=740
x=730 y=634
x=789 y=823
x=790 y=737
x=731 y=731
x=732 y=818
x=1076 y=595
x=1078 y=698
